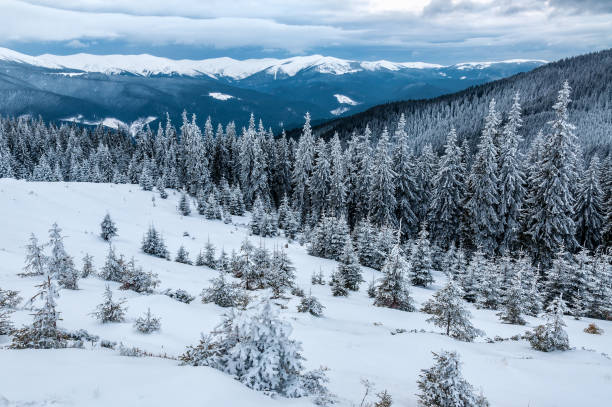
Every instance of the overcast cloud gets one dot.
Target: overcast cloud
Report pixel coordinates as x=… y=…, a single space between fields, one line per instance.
x=442 y=31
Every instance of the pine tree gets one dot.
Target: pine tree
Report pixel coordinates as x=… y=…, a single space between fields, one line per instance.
x=349 y=268
x=551 y=336
x=365 y=242
x=108 y=229
x=209 y=256
x=311 y=305
x=589 y=208
x=136 y=279
x=511 y=179
x=558 y=277
x=114 y=268
x=161 y=189
x=35 y=258
x=338 y=285
x=147 y=323
x=382 y=186
x=550 y=204
x=406 y=188
x=489 y=293
x=579 y=285
x=448 y=312
x=44 y=332
x=336 y=199
x=281 y=274
x=59 y=263
x=513 y=303
x=88 y=267
x=153 y=244
x=600 y=291
x=223 y=262
x=448 y=194
x=6 y=326
x=303 y=166
x=109 y=310
x=420 y=269
x=392 y=290
x=223 y=293
x=184 y=207
x=442 y=385
x=319 y=182
x=213 y=209
x=483 y=202
x=182 y=256
x=531 y=289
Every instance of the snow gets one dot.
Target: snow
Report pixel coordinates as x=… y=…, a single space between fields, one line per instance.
x=353 y=338
x=224 y=67
x=113 y=123
x=220 y=96
x=338 y=111
x=345 y=100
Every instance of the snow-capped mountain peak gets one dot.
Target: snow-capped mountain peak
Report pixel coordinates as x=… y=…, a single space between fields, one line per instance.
x=149 y=65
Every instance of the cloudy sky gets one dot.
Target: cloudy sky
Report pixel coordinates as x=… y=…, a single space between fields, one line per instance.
x=439 y=31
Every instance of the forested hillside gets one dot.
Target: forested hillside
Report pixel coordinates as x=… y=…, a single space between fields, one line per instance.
x=428 y=121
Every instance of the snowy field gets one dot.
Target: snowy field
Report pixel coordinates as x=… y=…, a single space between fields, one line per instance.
x=353 y=339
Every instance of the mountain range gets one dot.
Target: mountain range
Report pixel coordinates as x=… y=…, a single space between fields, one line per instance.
x=116 y=90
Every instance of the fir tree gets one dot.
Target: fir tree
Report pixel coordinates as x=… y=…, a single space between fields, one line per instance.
x=349 y=268
x=114 y=268
x=406 y=188
x=489 y=293
x=209 y=256
x=108 y=229
x=382 y=186
x=147 y=323
x=281 y=274
x=338 y=285
x=88 y=267
x=161 y=189
x=182 y=256
x=109 y=310
x=35 y=258
x=44 y=332
x=153 y=244
x=135 y=279
x=442 y=385
x=184 y=207
x=589 y=207
x=551 y=336
x=448 y=312
x=59 y=263
x=420 y=269
x=600 y=291
x=311 y=305
x=392 y=290
x=513 y=303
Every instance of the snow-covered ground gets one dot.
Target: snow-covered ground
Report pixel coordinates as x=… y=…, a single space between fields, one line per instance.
x=353 y=338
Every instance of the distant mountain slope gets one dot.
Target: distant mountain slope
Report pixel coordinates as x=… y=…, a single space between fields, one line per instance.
x=428 y=121
x=280 y=91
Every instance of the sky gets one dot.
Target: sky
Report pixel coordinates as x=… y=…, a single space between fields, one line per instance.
x=436 y=31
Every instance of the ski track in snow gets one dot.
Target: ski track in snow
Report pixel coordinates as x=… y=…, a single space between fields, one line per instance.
x=353 y=338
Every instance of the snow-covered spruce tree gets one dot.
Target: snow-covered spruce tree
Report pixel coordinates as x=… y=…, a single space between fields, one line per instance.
x=9 y=299
x=179 y=295
x=579 y=289
x=201 y=202
x=153 y=244
x=319 y=182
x=448 y=312
x=302 y=168
x=601 y=289
x=43 y=333
x=182 y=256
x=35 y=258
x=224 y=293
x=329 y=237
x=161 y=189
x=6 y=326
x=88 y=267
x=406 y=188
x=184 y=207
x=366 y=243
x=114 y=268
x=606 y=185
x=59 y=264
x=483 y=202
x=292 y=225
x=336 y=199
x=551 y=336
x=255 y=347
x=511 y=178
x=280 y=275
x=317 y=278
x=392 y=290
x=311 y=304
x=550 y=202
x=382 y=186
x=223 y=262
x=213 y=209
x=349 y=267
x=110 y=310
x=108 y=229
x=448 y=195
x=199 y=259
x=489 y=293
x=420 y=264
x=589 y=207
x=146 y=180
x=513 y=303
x=442 y=385
x=532 y=300
x=147 y=323
x=209 y=255
x=136 y=279
x=283 y=212
x=558 y=276
x=338 y=285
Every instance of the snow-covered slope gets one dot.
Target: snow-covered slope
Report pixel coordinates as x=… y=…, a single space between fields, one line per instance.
x=353 y=338
x=147 y=65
